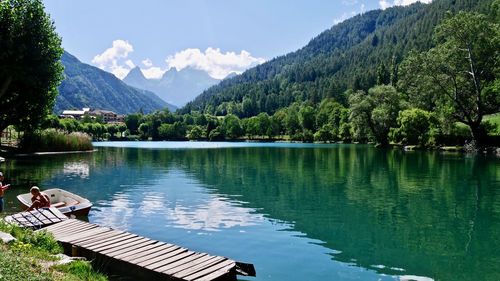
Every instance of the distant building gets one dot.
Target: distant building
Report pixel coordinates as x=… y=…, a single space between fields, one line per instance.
x=76 y=114
x=106 y=115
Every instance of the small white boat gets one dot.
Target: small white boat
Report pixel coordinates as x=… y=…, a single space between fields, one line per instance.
x=2 y=159
x=66 y=202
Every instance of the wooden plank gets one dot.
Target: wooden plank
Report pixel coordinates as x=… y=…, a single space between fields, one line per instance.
x=22 y=221
x=52 y=218
x=74 y=230
x=73 y=226
x=66 y=229
x=211 y=269
x=140 y=252
x=136 y=259
x=159 y=258
x=104 y=241
x=199 y=267
x=130 y=251
x=172 y=259
x=87 y=234
x=28 y=219
x=199 y=263
x=116 y=243
x=123 y=235
x=105 y=234
x=181 y=264
x=63 y=224
x=65 y=235
x=128 y=247
x=121 y=242
x=110 y=241
x=219 y=273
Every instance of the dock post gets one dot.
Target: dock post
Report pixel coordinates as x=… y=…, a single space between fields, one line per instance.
x=74 y=251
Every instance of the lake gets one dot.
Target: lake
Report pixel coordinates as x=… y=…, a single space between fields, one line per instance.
x=296 y=211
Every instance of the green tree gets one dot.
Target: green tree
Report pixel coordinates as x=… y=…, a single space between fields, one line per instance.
x=216 y=134
x=457 y=72
x=133 y=121
x=263 y=124
x=112 y=130
x=414 y=126
x=195 y=133
x=232 y=127
x=30 y=72
x=307 y=117
x=144 y=130
x=375 y=112
x=292 y=121
x=174 y=131
x=122 y=128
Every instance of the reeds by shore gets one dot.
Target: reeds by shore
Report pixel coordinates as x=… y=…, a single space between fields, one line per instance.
x=54 y=141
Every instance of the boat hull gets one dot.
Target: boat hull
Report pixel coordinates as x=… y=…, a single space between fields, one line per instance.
x=66 y=202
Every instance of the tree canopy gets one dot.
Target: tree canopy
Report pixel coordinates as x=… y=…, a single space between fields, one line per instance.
x=458 y=77
x=30 y=52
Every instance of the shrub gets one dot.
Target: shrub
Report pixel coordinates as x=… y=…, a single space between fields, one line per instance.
x=413 y=127
x=55 y=140
x=83 y=270
x=324 y=133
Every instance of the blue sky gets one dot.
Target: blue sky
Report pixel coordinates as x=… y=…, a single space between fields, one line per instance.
x=218 y=36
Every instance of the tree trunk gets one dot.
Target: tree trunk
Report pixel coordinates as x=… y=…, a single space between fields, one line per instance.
x=478 y=133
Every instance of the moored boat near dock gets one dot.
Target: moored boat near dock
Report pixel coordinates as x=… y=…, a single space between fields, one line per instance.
x=66 y=202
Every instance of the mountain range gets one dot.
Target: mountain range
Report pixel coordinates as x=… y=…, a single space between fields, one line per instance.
x=175 y=87
x=88 y=86
x=356 y=54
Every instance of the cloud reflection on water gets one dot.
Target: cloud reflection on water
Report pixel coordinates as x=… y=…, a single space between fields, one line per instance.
x=190 y=207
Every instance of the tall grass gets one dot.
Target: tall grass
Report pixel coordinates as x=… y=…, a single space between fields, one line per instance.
x=55 y=140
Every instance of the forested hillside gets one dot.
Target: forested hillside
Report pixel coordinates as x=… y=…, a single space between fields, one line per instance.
x=355 y=54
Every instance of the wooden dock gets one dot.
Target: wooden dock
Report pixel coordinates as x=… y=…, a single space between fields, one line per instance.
x=37 y=219
x=147 y=259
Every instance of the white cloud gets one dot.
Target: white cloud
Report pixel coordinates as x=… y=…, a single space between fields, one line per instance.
x=130 y=63
x=346 y=15
x=147 y=63
x=153 y=72
x=213 y=61
x=384 y=4
x=114 y=59
x=216 y=63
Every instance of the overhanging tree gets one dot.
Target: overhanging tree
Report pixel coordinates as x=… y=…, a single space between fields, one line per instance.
x=457 y=77
x=30 y=68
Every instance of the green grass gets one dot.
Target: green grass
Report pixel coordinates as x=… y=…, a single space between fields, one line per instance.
x=495 y=120
x=55 y=140
x=80 y=270
x=15 y=266
x=28 y=257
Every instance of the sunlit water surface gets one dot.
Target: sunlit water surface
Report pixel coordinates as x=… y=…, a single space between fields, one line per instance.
x=296 y=211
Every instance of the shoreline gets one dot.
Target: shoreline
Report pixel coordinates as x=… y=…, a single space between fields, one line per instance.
x=53 y=153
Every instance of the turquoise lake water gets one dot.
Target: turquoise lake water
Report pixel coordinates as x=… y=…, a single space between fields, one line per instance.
x=296 y=211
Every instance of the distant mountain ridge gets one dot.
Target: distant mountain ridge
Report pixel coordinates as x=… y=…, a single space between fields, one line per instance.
x=175 y=87
x=88 y=86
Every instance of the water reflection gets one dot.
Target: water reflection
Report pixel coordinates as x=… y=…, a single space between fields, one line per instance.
x=301 y=212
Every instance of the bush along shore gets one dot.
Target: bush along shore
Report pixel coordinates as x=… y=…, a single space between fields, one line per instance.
x=37 y=256
x=53 y=140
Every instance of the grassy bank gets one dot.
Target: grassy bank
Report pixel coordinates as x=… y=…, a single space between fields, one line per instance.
x=32 y=257
x=54 y=141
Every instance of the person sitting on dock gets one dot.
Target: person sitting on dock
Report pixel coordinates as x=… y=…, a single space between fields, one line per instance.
x=39 y=199
x=2 y=191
